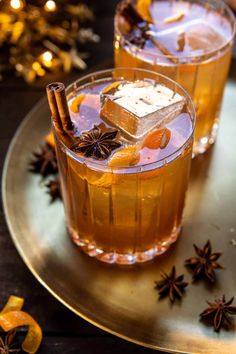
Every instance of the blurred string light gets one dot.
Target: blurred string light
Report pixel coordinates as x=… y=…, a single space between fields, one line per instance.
x=46 y=59
x=17 y=4
x=43 y=36
x=50 y=6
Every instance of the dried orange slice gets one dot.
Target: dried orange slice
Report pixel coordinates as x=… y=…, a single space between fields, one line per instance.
x=143 y=7
x=128 y=156
x=13 y=319
x=157 y=139
x=50 y=139
x=74 y=106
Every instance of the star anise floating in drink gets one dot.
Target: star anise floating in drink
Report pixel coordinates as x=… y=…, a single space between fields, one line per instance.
x=98 y=142
x=218 y=312
x=6 y=344
x=54 y=188
x=171 y=285
x=45 y=161
x=205 y=262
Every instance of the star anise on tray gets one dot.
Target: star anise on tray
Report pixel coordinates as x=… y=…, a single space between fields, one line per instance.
x=98 y=142
x=45 y=162
x=205 y=262
x=218 y=312
x=6 y=344
x=171 y=285
x=54 y=189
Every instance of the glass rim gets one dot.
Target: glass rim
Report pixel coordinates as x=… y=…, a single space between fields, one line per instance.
x=198 y=57
x=148 y=166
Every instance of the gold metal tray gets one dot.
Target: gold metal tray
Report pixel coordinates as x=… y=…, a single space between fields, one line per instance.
x=123 y=301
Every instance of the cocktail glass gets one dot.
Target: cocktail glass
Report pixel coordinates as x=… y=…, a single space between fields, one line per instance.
x=126 y=214
x=206 y=29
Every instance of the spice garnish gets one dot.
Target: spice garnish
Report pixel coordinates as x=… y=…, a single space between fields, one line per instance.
x=129 y=12
x=176 y=17
x=6 y=344
x=139 y=25
x=171 y=285
x=143 y=7
x=181 y=41
x=218 y=312
x=75 y=104
x=157 y=139
x=205 y=263
x=128 y=156
x=11 y=317
x=97 y=142
x=54 y=189
x=49 y=139
x=44 y=162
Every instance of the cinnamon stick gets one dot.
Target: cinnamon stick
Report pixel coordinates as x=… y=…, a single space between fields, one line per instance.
x=59 y=107
x=53 y=106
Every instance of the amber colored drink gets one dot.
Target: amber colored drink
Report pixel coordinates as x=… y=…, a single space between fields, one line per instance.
x=127 y=206
x=191 y=42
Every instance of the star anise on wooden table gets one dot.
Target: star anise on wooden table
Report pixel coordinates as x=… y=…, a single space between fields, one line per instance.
x=54 y=189
x=218 y=312
x=45 y=162
x=205 y=262
x=6 y=344
x=97 y=142
x=171 y=285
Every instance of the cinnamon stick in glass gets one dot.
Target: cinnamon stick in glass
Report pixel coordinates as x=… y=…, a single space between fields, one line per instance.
x=59 y=108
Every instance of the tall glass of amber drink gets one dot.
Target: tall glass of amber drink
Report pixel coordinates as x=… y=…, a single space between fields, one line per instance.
x=125 y=174
x=189 y=41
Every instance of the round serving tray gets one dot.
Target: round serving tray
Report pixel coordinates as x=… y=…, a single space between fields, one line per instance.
x=123 y=301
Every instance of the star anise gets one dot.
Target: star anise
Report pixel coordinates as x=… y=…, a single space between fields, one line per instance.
x=7 y=343
x=205 y=263
x=138 y=38
x=171 y=285
x=54 y=189
x=45 y=162
x=218 y=312
x=97 y=142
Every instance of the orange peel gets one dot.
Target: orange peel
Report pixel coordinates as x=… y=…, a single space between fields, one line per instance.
x=14 y=303
x=128 y=156
x=12 y=317
x=50 y=139
x=157 y=139
x=74 y=106
x=143 y=7
x=175 y=18
x=110 y=87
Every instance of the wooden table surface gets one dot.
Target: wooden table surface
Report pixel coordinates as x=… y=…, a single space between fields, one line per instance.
x=63 y=331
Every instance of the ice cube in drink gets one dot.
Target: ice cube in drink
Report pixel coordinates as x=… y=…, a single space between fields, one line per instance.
x=138 y=107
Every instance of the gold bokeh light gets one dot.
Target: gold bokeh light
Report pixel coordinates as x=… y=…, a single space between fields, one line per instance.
x=50 y=6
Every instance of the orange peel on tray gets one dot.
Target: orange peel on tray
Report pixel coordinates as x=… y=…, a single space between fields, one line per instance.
x=50 y=139
x=11 y=317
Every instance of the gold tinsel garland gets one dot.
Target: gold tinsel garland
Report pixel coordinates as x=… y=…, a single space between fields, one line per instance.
x=45 y=35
